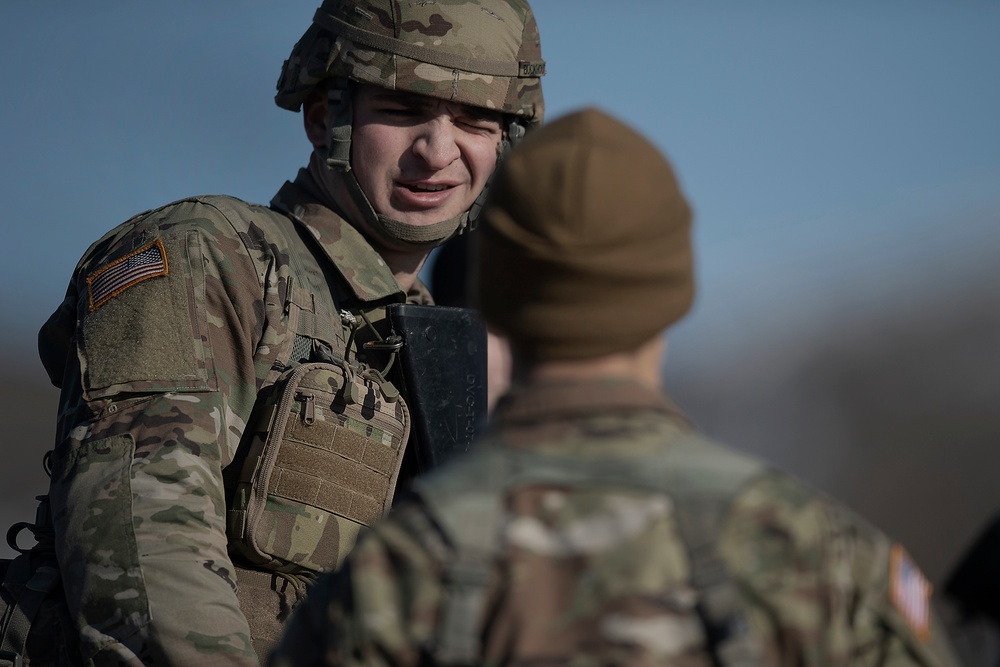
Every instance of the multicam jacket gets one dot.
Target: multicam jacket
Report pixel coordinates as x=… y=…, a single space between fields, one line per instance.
x=171 y=325
x=589 y=565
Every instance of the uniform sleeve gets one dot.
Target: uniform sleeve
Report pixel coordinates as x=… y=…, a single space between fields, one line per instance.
x=153 y=348
x=378 y=610
x=824 y=587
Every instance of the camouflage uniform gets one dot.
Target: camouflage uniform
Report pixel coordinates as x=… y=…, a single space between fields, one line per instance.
x=598 y=574
x=593 y=525
x=159 y=379
x=175 y=321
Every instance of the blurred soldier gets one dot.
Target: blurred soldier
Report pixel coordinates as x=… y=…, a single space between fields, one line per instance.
x=972 y=592
x=189 y=335
x=594 y=526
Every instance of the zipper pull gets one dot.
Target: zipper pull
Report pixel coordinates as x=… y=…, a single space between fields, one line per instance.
x=389 y=390
x=350 y=386
x=308 y=407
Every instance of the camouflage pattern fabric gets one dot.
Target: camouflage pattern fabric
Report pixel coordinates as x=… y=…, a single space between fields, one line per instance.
x=597 y=576
x=322 y=468
x=171 y=325
x=485 y=53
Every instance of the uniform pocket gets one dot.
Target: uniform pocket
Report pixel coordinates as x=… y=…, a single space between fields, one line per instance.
x=92 y=501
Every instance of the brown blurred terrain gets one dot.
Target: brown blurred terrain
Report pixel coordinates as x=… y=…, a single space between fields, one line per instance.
x=896 y=415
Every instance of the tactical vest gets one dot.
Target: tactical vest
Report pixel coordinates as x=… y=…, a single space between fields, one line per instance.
x=320 y=456
x=700 y=477
x=322 y=451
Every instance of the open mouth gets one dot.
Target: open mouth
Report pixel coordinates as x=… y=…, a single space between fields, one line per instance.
x=415 y=187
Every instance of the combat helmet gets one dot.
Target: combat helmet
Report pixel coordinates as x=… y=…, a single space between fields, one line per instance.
x=483 y=53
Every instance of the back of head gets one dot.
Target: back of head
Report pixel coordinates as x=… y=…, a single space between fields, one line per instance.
x=586 y=247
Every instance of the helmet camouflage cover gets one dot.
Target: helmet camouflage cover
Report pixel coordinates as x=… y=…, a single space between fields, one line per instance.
x=484 y=53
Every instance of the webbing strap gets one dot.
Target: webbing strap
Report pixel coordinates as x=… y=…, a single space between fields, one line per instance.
x=473 y=528
x=319 y=326
x=701 y=477
x=28 y=591
x=466 y=582
x=705 y=479
x=10 y=659
x=17 y=621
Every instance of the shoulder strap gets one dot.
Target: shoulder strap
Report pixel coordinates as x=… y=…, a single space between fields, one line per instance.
x=700 y=476
x=707 y=477
x=26 y=581
x=467 y=506
x=27 y=588
x=309 y=319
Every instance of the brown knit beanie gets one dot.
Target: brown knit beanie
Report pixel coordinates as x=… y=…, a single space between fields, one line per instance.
x=585 y=247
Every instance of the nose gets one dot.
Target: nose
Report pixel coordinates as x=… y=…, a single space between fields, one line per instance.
x=436 y=143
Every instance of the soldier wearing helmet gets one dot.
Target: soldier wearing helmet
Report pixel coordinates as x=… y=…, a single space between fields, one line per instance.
x=486 y=59
x=230 y=414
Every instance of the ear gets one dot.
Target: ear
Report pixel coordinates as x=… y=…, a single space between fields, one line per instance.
x=315 y=119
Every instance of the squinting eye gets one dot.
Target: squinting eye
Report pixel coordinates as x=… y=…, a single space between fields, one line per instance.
x=481 y=124
x=401 y=111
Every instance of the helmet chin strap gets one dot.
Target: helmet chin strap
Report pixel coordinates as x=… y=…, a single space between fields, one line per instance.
x=389 y=231
x=513 y=134
x=396 y=233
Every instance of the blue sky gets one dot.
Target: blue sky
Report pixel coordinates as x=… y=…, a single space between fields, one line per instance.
x=842 y=158
x=812 y=137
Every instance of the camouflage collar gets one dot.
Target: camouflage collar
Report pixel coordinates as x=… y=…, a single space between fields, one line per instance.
x=362 y=268
x=546 y=400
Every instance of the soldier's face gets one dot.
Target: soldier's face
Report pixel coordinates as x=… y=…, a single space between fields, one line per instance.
x=421 y=160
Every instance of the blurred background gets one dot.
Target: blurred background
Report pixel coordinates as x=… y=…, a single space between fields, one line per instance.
x=843 y=160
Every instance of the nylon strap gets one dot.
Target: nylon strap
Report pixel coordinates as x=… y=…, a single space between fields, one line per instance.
x=26 y=603
x=702 y=479
x=319 y=326
x=422 y=235
x=395 y=232
x=473 y=527
x=702 y=508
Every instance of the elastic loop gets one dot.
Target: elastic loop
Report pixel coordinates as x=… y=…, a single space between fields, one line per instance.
x=12 y=534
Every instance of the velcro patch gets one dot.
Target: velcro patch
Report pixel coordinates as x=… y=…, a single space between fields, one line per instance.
x=910 y=592
x=528 y=69
x=107 y=282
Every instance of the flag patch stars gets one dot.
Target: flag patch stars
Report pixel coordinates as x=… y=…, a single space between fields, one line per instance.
x=107 y=282
x=910 y=592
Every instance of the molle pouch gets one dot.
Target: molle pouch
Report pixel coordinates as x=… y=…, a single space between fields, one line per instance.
x=444 y=364
x=322 y=464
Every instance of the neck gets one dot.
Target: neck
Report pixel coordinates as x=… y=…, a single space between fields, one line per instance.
x=405 y=264
x=643 y=365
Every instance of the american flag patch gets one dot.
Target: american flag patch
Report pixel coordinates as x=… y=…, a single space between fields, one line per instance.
x=109 y=281
x=910 y=592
